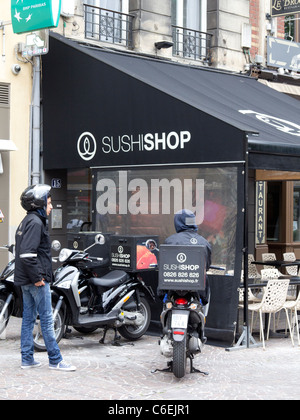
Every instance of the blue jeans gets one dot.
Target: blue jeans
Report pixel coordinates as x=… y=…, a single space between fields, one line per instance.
x=37 y=300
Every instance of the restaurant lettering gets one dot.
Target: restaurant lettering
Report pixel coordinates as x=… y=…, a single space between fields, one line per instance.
x=285 y=7
x=147 y=142
x=87 y=144
x=260 y=212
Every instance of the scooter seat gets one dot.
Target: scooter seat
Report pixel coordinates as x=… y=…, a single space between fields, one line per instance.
x=109 y=280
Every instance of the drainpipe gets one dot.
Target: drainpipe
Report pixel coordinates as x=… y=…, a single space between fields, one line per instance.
x=36 y=121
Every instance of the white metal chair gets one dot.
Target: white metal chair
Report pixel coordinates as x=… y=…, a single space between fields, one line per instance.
x=272 y=302
x=270 y=273
x=274 y=273
x=294 y=306
x=269 y=256
x=290 y=257
x=251 y=297
x=291 y=271
x=252 y=269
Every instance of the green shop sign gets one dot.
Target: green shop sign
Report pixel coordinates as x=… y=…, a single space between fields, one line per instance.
x=32 y=15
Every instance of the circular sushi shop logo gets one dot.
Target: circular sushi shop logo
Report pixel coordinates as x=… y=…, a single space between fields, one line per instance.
x=181 y=258
x=87 y=146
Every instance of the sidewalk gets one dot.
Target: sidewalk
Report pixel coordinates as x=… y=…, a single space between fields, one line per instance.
x=124 y=373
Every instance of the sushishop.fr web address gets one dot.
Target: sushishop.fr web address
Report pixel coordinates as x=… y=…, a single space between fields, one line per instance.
x=180 y=281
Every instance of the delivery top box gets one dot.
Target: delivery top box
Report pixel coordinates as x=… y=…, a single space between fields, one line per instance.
x=134 y=252
x=182 y=267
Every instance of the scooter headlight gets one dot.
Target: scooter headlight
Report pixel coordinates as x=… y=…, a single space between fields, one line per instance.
x=64 y=254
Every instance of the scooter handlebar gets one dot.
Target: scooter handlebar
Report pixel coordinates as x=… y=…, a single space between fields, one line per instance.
x=99 y=260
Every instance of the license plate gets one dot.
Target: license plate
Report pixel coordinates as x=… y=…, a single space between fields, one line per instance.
x=179 y=321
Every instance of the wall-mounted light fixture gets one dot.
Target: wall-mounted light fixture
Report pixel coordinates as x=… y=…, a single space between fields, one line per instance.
x=163 y=44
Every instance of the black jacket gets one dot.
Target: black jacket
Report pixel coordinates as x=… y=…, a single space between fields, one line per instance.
x=190 y=237
x=33 y=260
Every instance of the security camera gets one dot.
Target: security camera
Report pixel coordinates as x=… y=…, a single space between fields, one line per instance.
x=15 y=68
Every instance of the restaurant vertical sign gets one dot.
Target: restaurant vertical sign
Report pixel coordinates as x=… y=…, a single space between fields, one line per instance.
x=285 y=7
x=260 y=230
x=33 y=15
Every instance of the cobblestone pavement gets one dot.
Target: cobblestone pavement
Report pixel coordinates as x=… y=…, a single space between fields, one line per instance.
x=124 y=373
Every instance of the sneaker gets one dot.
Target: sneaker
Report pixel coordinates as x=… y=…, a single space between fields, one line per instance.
x=32 y=365
x=63 y=366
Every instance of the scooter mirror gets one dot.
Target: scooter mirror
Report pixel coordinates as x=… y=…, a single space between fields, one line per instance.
x=12 y=249
x=100 y=239
x=56 y=245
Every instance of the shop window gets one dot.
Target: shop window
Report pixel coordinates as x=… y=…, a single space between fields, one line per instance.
x=289 y=27
x=143 y=202
x=79 y=200
x=273 y=211
x=296 y=212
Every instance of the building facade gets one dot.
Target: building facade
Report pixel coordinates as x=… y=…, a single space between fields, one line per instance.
x=218 y=38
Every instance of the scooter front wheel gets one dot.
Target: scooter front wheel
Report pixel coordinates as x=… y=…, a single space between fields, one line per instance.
x=59 y=328
x=6 y=315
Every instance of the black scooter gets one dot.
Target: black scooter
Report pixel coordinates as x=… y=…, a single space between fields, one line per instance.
x=182 y=277
x=11 y=298
x=11 y=303
x=86 y=302
x=183 y=323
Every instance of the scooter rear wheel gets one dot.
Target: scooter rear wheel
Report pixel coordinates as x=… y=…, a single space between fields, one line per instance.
x=133 y=333
x=179 y=358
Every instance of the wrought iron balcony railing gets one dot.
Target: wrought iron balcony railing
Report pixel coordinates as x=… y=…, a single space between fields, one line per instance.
x=194 y=45
x=108 y=25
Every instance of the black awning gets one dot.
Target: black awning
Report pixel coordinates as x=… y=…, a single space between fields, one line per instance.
x=138 y=110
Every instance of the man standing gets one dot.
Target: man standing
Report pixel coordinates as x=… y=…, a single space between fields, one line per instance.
x=33 y=272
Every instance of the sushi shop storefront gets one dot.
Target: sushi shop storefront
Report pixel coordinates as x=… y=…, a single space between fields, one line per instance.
x=128 y=141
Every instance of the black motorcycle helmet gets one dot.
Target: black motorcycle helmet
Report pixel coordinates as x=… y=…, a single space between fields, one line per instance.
x=35 y=197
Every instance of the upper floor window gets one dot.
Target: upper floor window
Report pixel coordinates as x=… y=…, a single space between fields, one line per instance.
x=108 y=21
x=115 y=5
x=190 y=14
x=189 y=22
